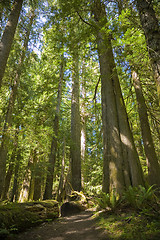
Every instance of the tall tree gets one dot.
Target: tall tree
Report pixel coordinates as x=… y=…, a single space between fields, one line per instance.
x=8 y=36
x=151 y=30
x=53 y=153
x=61 y=191
x=75 y=124
x=151 y=157
x=83 y=119
x=136 y=66
x=15 y=192
x=10 y=107
x=121 y=163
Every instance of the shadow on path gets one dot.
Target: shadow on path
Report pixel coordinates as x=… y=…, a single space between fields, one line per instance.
x=78 y=227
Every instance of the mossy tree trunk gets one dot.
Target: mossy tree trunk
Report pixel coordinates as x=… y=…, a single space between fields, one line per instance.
x=121 y=163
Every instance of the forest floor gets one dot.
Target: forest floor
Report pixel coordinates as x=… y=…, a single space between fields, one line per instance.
x=81 y=226
x=89 y=225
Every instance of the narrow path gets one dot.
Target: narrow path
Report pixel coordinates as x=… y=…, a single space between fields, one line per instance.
x=78 y=227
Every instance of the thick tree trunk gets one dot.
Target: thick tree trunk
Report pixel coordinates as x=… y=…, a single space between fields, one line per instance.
x=121 y=163
x=52 y=157
x=8 y=120
x=75 y=126
x=8 y=36
x=132 y=167
x=24 y=193
x=151 y=157
x=113 y=157
x=151 y=30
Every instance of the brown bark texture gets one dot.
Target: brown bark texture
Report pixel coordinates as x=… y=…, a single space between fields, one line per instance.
x=8 y=36
x=75 y=127
x=121 y=163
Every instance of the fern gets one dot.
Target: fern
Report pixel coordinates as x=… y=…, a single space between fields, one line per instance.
x=139 y=196
x=107 y=200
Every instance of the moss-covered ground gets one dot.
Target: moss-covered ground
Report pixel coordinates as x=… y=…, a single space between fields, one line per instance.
x=130 y=225
x=16 y=217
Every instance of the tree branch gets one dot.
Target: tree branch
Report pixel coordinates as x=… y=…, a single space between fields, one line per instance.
x=94 y=98
x=84 y=20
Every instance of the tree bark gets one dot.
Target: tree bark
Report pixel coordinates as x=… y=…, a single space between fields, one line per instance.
x=83 y=124
x=8 y=36
x=121 y=163
x=7 y=181
x=75 y=126
x=37 y=182
x=33 y=162
x=151 y=30
x=151 y=157
x=61 y=189
x=10 y=107
x=52 y=157
x=14 y=195
x=24 y=193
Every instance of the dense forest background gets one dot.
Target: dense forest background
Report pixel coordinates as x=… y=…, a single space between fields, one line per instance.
x=79 y=97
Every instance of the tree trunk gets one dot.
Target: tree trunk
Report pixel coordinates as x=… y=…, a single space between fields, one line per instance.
x=8 y=36
x=61 y=190
x=121 y=163
x=24 y=193
x=52 y=157
x=14 y=196
x=83 y=123
x=75 y=126
x=151 y=30
x=151 y=157
x=8 y=119
x=37 y=183
x=33 y=163
x=7 y=181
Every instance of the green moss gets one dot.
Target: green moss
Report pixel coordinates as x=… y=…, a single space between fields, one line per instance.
x=130 y=226
x=20 y=216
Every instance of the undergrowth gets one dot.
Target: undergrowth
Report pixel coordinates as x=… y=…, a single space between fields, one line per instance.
x=135 y=215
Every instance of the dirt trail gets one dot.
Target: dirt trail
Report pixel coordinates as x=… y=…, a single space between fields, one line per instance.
x=78 y=227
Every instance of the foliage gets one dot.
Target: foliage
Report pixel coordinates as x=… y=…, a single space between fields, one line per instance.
x=140 y=197
x=109 y=201
x=137 y=215
x=51 y=37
